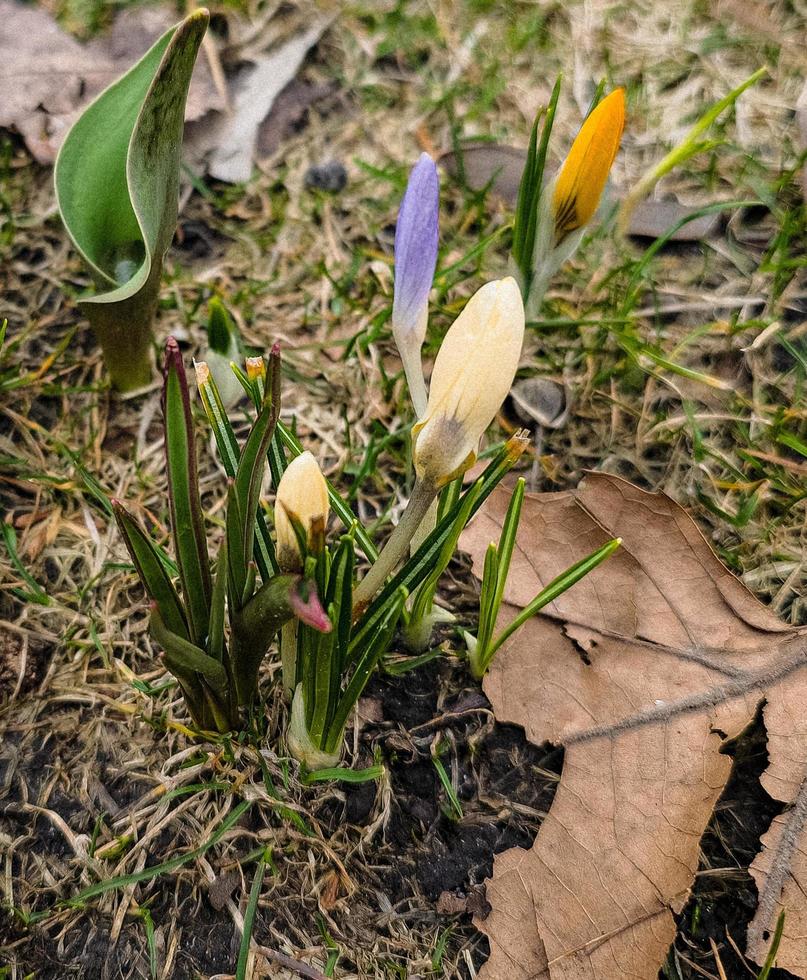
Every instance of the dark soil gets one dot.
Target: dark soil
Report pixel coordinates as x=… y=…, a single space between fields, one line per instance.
x=427 y=859
x=724 y=897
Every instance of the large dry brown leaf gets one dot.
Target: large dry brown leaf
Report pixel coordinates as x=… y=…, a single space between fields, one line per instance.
x=47 y=76
x=640 y=671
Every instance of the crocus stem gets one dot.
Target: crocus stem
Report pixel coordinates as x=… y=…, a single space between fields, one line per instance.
x=413 y=369
x=427 y=525
x=394 y=551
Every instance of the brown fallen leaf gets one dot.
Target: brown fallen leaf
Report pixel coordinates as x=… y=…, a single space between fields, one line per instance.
x=641 y=672
x=288 y=113
x=500 y=167
x=224 y=143
x=47 y=76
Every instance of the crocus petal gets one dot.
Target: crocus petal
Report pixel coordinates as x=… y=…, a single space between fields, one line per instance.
x=473 y=373
x=581 y=181
x=302 y=495
x=415 y=251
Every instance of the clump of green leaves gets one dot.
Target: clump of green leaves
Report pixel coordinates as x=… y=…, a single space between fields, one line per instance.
x=486 y=643
x=216 y=629
x=326 y=671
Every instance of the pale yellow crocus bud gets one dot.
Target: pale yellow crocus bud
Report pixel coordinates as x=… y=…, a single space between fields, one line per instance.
x=582 y=178
x=302 y=496
x=473 y=373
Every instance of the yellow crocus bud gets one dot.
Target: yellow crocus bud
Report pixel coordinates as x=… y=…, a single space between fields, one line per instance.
x=302 y=497
x=472 y=375
x=256 y=368
x=581 y=181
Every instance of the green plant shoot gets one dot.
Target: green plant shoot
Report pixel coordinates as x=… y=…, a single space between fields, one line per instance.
x=483 y=646
x=117 y=186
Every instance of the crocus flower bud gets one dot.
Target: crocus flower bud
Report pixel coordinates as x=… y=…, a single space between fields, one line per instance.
x=255 y=368
x=302 y=497
x=472 y=375
x=415 y=261
x=581 y=181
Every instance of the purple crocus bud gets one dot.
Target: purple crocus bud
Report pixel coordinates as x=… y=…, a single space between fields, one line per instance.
x=415 y=261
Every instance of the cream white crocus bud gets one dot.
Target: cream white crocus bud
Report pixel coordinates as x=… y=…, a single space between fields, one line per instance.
x=302 y=498
x=473 y=373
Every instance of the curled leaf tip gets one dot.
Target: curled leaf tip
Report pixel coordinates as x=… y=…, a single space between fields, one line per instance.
x=202 y=372
x=581 y=181
x=306 y=606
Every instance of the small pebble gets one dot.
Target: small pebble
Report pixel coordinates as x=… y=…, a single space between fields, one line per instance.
x=330 y=176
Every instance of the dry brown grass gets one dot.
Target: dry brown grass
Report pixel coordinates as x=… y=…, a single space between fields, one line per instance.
x=78 y=739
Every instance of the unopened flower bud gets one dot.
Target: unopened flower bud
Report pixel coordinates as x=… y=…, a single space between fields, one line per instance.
x=256 y=368
x=302 y=498
x=416 y=236
x=581 y=181
x=473 y=373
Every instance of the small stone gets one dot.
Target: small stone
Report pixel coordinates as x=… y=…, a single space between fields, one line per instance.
x=331 y=177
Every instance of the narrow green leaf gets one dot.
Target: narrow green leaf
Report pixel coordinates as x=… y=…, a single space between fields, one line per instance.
x=770 y=959
x=151 y=945
x=151 y=570
x=504 y=553
x=343 y=775
x=249 y=474
x=147 y=874
x=487 y=617
x=249 y=916
x=325 y=659
x=530 y=191
x=117 y=187
x=421 y=563
x=373 y=648
x=555 y=588
x=340 y=595
x=37 y=593
x=183 y=495
x=445 y=781
x=230 y=453
x=426 y=591
x=236 y=559
x=215 y=641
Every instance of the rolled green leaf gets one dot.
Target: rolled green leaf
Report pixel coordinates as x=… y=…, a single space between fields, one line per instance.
x=117 y=185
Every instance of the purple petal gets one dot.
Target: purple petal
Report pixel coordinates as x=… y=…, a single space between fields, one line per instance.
x=416 y=242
